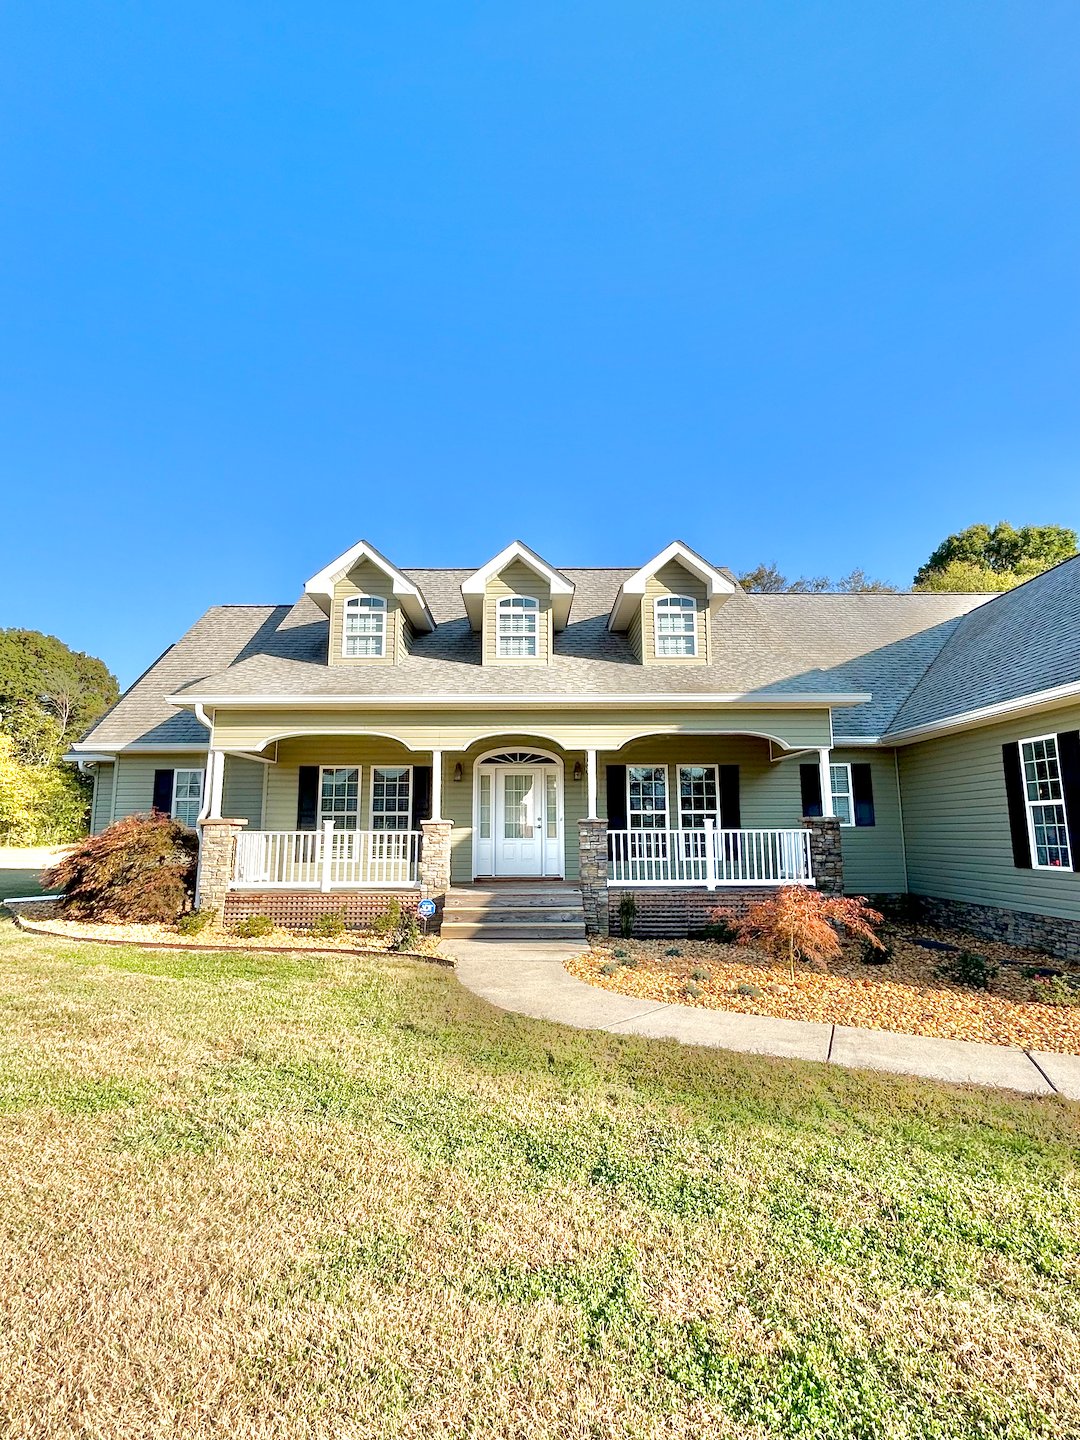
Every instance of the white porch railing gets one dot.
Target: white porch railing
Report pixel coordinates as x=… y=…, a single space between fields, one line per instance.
x=326 y=859
x=710 y=857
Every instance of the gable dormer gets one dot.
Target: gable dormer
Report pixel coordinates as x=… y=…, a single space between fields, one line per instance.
x=517 y=602
x=372 y=607
x=665 y=607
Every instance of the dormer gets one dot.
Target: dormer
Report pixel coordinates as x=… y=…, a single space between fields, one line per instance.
x=372 y=607
x=664 y=608
x=517 y=602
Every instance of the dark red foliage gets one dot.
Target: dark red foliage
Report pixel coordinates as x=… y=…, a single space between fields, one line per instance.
x=141 y=869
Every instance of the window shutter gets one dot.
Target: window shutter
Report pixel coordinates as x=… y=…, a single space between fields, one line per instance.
x=163 y=791
x=1069 y=760
x=421 y=795
x=810 y=785
x=307 y=798
x=862 y=794
x=730 y=815
x=1014 y=794
x=616 y=797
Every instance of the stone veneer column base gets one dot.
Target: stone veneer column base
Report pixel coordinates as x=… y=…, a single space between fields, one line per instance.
x=1048 y=933
x=593 y=874
x=217 y=848
x=435 y=858
x=826 y=857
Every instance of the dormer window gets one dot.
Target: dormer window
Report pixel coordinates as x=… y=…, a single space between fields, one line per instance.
x=363 y=631
x=676 y=625
x=517 y=627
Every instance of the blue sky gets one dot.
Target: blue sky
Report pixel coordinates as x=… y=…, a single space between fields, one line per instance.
x=793 y=282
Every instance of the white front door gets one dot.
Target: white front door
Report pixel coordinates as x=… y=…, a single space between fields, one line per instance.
x=519 y=820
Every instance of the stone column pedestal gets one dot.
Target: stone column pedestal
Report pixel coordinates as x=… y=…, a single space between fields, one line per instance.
x=825 y=854
x=435 y=857
x=217 y=851
x=593 y=872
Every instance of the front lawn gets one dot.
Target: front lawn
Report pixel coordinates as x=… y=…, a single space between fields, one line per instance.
x=284 y=1196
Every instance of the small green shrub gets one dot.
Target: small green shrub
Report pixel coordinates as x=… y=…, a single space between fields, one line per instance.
x=619 y=954
x=673 y=950
x=719 y=927
x=1057 y=990
x=699 y=974
x=330 y=925
x=194 y=922
x=691 y=989
x=627 y=914
x=746 y=989
x=252 y=927
x=876 y=955
x=408 y=936
x=630 y=961
x=389 y=922
x=970 y=969
x=609 y=968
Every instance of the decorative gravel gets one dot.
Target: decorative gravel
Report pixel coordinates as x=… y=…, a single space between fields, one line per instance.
x=906 y=994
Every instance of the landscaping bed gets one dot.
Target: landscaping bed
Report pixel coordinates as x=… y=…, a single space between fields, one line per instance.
x=907 y=993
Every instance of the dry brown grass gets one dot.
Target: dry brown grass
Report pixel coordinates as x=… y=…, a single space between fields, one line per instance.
x=289 y=1197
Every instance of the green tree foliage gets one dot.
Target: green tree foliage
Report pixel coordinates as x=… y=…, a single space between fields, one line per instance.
x=768 y=580
x=985 y=559
x=39 y=804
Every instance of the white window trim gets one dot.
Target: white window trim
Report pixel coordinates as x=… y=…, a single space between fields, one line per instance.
x=371 y=797
x=665 y=600
x=667 y=797
x=506 y=605
x=376 y=605
x=359 y=792
x=691 y=765
x=849 y=795
x=1029 y=805
x=188 y=770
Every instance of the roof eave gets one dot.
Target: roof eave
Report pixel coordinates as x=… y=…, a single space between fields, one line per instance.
x=749 y=699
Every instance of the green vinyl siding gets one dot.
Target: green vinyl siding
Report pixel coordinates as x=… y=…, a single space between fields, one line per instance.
x=283 y=779
x=769 y=794
x=242 y=792
x=874 y=854
x=517 y=579
x=134 y=780
x=956 y=821
x=101 y=809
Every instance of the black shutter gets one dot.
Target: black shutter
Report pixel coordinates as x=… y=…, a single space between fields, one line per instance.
x=862 y=794
x=421 y=795
x=307 y=798
x=1069 y=760
x=730 y=814
x=1014 y=794
x=163 y=791
x=810 y=785
x=616 y=797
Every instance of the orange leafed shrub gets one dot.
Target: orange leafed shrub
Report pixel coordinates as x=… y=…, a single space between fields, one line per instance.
x=798 y=924
x=141 y=869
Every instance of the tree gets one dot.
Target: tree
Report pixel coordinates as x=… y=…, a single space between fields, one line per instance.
x=798 y=923
x=984 y=559
x=49 y=693
x=768 y=580
x=39 y=804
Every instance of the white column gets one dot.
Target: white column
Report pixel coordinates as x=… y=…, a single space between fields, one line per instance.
x=590 y=781
x=326 y=857
x=213 y=784
x=826 y=782
x=436 y=785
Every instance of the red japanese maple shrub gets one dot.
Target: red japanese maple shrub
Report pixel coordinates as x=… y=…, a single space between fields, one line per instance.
x=799 y=923
x=141 y=869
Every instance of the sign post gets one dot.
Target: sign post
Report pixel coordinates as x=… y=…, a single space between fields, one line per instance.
x=425 y=909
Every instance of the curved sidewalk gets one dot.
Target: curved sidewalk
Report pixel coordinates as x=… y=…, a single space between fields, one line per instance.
x=530 y=978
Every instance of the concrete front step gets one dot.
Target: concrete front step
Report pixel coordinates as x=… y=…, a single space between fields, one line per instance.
x=523 y=914
x=511 y=930
x=521 y=910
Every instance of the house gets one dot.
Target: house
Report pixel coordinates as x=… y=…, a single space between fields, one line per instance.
x=654 y=732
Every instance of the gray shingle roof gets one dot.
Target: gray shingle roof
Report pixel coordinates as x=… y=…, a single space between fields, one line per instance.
x=1026 y=641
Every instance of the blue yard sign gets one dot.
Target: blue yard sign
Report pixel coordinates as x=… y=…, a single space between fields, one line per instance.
x=426 y=909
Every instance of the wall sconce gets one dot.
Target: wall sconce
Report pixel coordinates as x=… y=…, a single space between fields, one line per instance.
x=577 y=772
x=458 y=772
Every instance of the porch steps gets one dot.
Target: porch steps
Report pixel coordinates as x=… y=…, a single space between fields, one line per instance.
x=519 y=911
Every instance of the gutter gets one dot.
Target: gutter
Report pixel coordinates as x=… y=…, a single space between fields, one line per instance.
x=472 y=702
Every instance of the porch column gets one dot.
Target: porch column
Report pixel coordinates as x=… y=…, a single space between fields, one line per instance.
x=215 y=784
x=826 y=856
x=217 y=850
x=436 y=785
x=826 y=783
x=593 y=874
x=590 y=782
x=435 y=858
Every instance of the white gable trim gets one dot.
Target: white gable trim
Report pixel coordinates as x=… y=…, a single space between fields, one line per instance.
x=473 y=589
x=631 y=590
x=321 y=586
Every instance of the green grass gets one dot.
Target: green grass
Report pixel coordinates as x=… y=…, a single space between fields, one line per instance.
x=19 y=882
x=252 y=1195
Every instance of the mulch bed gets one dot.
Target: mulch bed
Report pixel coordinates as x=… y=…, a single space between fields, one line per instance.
x=907 y=994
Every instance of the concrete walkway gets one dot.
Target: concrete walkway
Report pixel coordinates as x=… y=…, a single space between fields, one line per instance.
x=530 y=978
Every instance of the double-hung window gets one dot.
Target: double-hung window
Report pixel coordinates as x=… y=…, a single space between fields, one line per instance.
x=698 y=796
x=842 y=799
x=339 y=796
x=1044 y=798
x=517 y=628
x=187 y=795
x=676 y=625
x=391 y=797
x=363 y=631
x=646 y=807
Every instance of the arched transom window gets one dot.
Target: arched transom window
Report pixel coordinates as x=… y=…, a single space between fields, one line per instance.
x=517 y=625
x=676 y=625
x=363 y=632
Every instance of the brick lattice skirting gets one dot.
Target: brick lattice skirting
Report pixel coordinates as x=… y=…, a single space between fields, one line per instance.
x=672 y=914
x=297 y=910
x=1060 y=938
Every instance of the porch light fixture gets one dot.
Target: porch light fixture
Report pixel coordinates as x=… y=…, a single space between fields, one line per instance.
x=458 y=772
x=577 y=772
